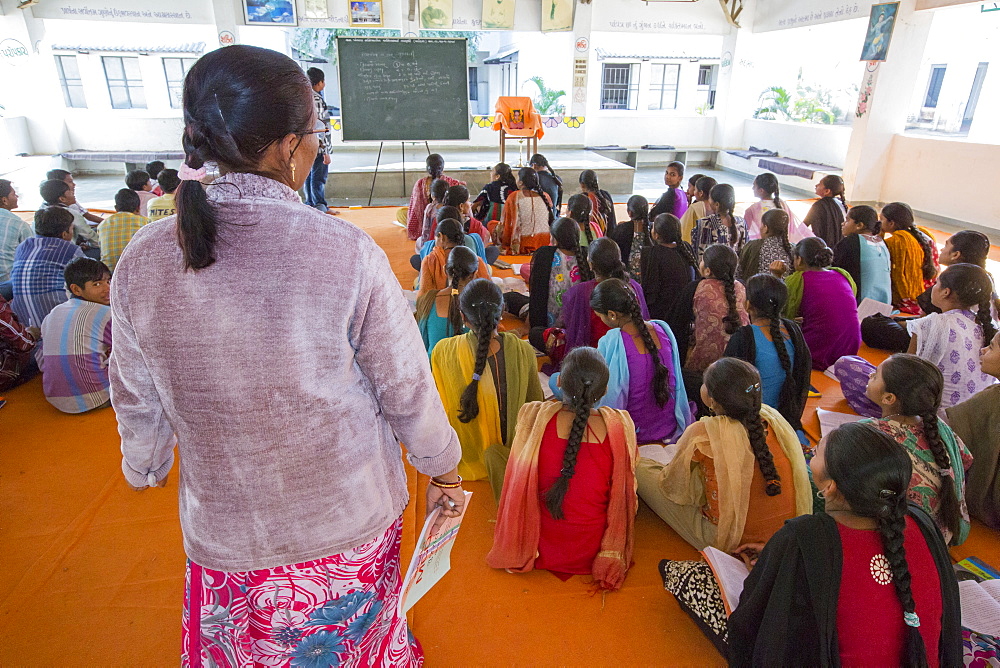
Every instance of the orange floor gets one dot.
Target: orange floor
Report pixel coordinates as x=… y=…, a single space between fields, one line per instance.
x=91 y=573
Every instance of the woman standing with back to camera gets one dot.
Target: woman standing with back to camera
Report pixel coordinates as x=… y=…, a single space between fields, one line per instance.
x=293 y=488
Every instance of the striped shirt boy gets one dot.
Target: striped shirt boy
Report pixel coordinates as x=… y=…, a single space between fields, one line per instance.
x=76 y=345
x=37 y=277
x=116 y=231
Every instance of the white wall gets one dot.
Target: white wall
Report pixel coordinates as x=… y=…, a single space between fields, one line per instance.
x=953 y=179
x=825 y=144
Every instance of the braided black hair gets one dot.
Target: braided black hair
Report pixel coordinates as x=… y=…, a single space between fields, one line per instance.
x=588 y=179
x=866 y=216
x=542 y=161
x=606 y=259
x=435 y=165
x=776 y=221
x=721 y=260
x=872 y=473
x=972 y=286
x=835 y=184
x=724 y=195
x=237 y=102
x=462 y=264
x=439 y=190
x=768 y=182
x=668 y=230
x=616 y=295
x=579 y=208
x=451 y=230
x=505 y=176
x=529 y=181
x=734 y=385
x=902 y=219
x=767 y=295
x=584 y=380
x=482 y=305
x=814 y=252
x=918 y=385
x=638 y=210
x=567 y=235
x=973 y=247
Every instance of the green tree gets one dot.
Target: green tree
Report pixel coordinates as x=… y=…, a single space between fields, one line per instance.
x=547 y=102
x=775 y=104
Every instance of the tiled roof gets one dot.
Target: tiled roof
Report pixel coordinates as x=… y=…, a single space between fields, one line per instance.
x=194 y=47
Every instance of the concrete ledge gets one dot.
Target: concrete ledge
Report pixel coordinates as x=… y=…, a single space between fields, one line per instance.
x=737 y=165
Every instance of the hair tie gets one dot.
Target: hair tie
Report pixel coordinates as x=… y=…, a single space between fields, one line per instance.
x=947 y=473
x=887 y=494
x=454 y=292
x=188 y=173
x=911 y=619
x=476 y=376
x=773 y=482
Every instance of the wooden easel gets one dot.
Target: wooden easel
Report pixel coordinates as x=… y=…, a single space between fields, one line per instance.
x=402 y=148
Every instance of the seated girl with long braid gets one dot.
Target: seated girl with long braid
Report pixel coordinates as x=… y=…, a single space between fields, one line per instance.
x=645 y=375
x=438 y=315
x=569 y=501
x=908 y=391
x=737 y=476
x=784 y=367
x=484 y=377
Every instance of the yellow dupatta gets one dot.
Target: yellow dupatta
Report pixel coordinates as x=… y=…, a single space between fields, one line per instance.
x=729 y=448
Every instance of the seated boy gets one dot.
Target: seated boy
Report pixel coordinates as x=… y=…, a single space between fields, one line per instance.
x=138 y=180
x=153 y=169
x=39 y=262
x=75 y=207
x=164 y=206
x=117 y=230
x=76 y=341
x=62 y=195
x=16 y=344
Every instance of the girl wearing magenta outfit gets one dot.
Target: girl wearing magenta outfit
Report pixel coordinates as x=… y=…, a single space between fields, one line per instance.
x=824 y=298
x=674 y=200
x=869 y=582
x=645 y=376
x=310 y=572
x=569 y=501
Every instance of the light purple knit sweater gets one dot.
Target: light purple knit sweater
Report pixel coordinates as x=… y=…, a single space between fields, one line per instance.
x=287 y=370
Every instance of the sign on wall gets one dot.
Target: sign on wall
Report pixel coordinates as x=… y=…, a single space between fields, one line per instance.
x=147 y=11
x=705 y=18
x=784 y=14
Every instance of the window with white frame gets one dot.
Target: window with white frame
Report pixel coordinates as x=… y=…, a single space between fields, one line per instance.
x=620 y=86
x=663 y=85
x=71 y=82
x=124 y=82
x=175 y=69
x=934 y=86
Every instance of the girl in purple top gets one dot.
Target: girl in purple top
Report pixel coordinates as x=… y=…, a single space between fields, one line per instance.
x=645 y=377
x=674 y=200
x=824 y=297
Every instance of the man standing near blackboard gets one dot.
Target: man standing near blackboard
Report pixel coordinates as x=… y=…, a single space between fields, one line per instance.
x=315 y=186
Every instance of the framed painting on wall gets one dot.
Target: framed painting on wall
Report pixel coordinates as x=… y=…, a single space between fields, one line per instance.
x=881 y=21
x=498 y=14
x=270 y=13
x=435 y=14
x=557 y=15
x=366 y=13
x=315 y=9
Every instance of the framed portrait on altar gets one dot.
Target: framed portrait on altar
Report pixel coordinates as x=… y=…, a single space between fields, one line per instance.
x=881 y=21
x=270 y=13
x=366 y=14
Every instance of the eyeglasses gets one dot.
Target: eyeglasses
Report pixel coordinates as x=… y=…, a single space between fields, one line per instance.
x=319 y=128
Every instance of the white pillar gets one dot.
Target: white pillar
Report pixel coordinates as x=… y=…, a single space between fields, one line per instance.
x=738 y=86
x=887 y=91
x=581 y=60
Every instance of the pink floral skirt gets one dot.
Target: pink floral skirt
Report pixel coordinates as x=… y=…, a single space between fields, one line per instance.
x=338 y=611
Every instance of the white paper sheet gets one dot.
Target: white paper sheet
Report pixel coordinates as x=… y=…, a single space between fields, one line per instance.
x=869 y=306
x=830 y=420
x=730 y=573
x=662 y=454
x=980 y=608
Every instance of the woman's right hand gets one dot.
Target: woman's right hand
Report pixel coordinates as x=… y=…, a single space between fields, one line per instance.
x=778 y=268
x=749 y=552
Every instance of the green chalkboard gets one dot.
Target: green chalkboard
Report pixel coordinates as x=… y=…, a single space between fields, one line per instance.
x=394 y=89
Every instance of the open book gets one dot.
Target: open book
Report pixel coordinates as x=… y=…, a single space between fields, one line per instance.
x=730 y=573
x=981 y=605
x=432 y=557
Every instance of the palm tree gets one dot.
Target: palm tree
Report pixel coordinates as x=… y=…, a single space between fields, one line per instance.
x=547 y=102
x=776 y=103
